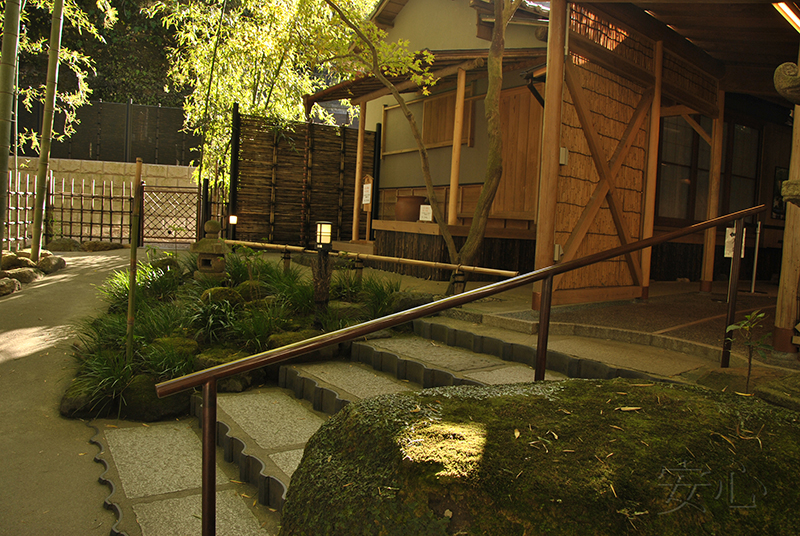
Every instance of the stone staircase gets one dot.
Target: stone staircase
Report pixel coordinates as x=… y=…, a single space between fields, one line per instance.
x=154 y=470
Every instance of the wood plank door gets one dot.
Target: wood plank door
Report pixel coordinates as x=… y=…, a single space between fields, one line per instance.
x=521 y=119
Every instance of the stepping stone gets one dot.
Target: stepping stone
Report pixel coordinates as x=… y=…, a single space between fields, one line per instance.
x=156 y=459
x=183 y=515
x=358 y=380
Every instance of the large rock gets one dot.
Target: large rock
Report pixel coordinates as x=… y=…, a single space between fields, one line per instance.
x=27 y=253
x=579 y=457
x=232 y=384
x=11 y=261
x=51 y=264
x=142 y=403
x=23 y=275
x=8 y=285
x=64 y=244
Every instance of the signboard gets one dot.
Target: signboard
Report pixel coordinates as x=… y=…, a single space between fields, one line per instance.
x=425 y=213
x=366 y=196
x=730 y=236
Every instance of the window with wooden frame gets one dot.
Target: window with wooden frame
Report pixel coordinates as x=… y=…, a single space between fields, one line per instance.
x=438 y=119
x=685 y=161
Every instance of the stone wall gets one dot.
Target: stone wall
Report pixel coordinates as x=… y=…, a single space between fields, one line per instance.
x=118 y=172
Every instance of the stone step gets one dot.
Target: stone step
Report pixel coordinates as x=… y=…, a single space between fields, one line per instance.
x=154 y=472
x=615 y=358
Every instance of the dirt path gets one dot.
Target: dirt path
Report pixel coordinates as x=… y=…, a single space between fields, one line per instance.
x=49 y=482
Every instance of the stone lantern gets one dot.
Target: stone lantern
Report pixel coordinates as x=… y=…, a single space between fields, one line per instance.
x=211 y=252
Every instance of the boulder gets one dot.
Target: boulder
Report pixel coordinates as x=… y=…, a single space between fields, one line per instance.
x=77 y=404
x=15 y=261
x=27 y=253
x=48 y=265
x=142 y=403
x=100 y=246
x=578 y=457
x=232 y=384
x=221 y=294
x=8 y=285
x=64 y=244
x=23 y=275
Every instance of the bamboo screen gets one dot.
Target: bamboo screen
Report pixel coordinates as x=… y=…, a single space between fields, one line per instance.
x=612 y=100
x=291 y=178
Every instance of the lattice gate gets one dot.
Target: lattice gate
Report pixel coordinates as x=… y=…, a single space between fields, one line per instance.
x=170 y=214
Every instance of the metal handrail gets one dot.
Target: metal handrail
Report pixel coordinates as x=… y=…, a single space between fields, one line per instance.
x=208 y=378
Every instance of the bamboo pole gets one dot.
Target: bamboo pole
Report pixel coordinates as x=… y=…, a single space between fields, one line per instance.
x=455 y=163
x=132 y=272
x=548 y=179
x=649 y=206
x=712 y=209
x=362 y=116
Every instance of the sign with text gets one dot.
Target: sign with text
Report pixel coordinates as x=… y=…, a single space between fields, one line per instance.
x=730 y=237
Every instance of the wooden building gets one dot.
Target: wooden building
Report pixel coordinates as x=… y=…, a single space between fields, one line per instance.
x=620 y=121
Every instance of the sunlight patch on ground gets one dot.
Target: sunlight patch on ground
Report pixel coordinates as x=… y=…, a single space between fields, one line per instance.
x=457 y=447
x=26 y=341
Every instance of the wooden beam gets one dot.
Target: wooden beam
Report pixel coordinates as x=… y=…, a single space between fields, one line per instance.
x=697 y=128
x=455 y=163
x=596 y=150
x=551 y=145
x=362 y=120
x=679 y=109
x=602 y=189
x=712 y=209
x=408 y=84
x=649 y=201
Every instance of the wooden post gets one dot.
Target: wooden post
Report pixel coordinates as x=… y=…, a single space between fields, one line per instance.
x=455 y=163
x=649 y=206
x=362 y=115
x=712 y=211
x=367 y=194
x=133 y=265
x=548 y=178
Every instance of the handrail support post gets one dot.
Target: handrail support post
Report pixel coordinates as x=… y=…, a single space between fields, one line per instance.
x=733 y=286
x=209 y=477
x=544 y=329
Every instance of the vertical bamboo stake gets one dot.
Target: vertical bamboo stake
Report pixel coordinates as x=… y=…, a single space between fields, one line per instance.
x=134 y=245
x=455 y=163
x=340 y=210
x=649 y=206
x=362 y=116
x=83 y=196
x=273 y=186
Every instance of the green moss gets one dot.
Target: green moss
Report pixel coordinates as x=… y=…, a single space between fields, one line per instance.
x=572 y=458
x=277 y=340
x=252 y=290
x=221 y=294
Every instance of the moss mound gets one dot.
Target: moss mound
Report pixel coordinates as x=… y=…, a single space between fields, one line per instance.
x=142 y=403
x=232 y=384
x=221 y=294
x=580 y=457
x=278 y=340
x=252 y=290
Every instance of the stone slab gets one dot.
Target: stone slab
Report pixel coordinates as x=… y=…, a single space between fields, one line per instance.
x=274 y=420
x=155 y=459
x=511 y=374
x=359 y=381
x=178 y=516
x=287 y=461
x=435 y=354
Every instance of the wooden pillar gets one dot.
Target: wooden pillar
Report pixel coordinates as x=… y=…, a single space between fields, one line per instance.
x=455 y=163
x=362 y=117
x=548 y=176
x=786 y=310
x=649 y=207
x=712 y=211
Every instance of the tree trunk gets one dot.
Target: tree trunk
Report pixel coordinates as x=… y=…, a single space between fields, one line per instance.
x=56 y=26
x=8 y=63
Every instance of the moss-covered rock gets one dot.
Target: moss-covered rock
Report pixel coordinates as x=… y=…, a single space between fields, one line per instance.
x=408 y=300
x=262 y=304
x=142 y=404
x=783 y=392
x=77 y=404
x=233 y=384
x=167 y=263
x=97 y=245
x=347 y=310
x=221 y=294
x=64 y=244
x=579 y=457
x=252 y=290
x=180 y=345
x=277 y=340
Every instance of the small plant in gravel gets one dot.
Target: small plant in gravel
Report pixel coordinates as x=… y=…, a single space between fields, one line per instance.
x=746 y=329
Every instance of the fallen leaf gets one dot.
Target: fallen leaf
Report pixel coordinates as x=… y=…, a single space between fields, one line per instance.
x=743 y=394
x=628 y=408
x=612 y=489
x=237 y=481
x=617 y=428
x=516 y=433
x=111 y=426
x=416 y=410
x=552 y=432
x=642 y=384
